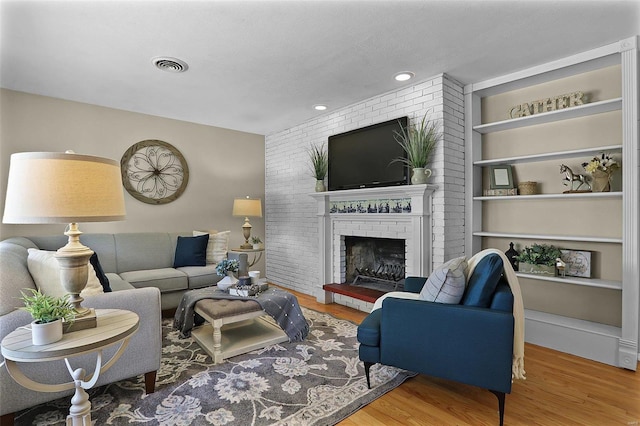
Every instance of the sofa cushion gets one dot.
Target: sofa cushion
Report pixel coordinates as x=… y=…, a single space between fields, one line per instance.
x=102 y=277
x=191 y=251
x=446 y=284
x=14 y=275
x=200 y=276
x=483 y=281
x=369 y=329
x=144 y=251
x=166 y=279
x=45 y=270
x=218 y=245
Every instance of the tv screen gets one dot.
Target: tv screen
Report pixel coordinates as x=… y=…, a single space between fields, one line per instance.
x=362 y=158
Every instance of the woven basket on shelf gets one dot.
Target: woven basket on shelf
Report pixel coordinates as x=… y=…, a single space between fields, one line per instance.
x=528 y=188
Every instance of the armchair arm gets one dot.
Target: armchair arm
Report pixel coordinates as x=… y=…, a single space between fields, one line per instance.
x=462 y=343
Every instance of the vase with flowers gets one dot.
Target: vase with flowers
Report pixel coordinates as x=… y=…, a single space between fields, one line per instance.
x=601 y=168
x=227 y=268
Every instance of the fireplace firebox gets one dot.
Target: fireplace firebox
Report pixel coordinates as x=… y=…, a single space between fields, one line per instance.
x=377 y=263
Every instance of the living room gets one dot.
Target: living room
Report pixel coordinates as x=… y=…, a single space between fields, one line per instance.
x=249 y=154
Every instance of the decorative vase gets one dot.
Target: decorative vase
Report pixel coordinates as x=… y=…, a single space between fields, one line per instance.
x=260 y=246
x=601 y=181
x=320 y=185
x=46 y=333
x=511 y=255
x=420 y=175
x=530 y=268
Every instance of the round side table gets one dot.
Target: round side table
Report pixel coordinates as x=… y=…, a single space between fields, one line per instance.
x=114 y=326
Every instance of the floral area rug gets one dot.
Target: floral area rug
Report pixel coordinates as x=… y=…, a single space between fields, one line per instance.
x=318 y=381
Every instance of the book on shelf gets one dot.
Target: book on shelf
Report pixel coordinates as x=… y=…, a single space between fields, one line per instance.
x=492 y=192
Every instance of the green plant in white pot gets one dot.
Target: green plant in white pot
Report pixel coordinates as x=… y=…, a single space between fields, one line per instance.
x=319 y=164
x=257 y=243
x=48 y=312
x=539 y=259
x=418 y=142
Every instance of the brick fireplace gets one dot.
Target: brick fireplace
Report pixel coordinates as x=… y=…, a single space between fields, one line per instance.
x=405 y=214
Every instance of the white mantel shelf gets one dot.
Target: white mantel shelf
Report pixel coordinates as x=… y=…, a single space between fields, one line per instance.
x=386 y=191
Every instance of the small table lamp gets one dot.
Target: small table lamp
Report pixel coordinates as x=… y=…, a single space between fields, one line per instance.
x=52 y=187
x=247 y=207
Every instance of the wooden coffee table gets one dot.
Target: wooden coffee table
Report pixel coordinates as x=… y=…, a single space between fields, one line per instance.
x=234 y=327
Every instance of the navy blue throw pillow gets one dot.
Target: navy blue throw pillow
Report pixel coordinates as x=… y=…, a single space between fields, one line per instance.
x=191 y=251
x=102 y=277
x=482 y=283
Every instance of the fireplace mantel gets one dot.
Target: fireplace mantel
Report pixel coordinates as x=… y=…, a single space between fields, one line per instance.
x=414 y=226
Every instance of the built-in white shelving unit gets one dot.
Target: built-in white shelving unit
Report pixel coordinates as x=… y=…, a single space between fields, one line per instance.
x=612 y=344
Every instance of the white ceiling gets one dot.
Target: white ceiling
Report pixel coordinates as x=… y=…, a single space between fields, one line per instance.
x=259 y=66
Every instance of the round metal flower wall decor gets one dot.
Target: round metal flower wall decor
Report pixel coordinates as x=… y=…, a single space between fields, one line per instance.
x=154 y=172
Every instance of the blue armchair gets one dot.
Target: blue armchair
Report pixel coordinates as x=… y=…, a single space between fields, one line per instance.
x=471 y=342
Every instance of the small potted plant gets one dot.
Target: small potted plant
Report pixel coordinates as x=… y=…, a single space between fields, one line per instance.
x=319 y=163
x=539 y=259
x=257 y=243
x=226 y=268
x=418 y=142
x=48 y=312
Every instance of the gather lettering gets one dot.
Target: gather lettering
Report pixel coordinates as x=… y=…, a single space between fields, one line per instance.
x=548 y=104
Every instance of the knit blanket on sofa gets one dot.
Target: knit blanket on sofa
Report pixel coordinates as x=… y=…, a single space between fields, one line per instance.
x=282 y=306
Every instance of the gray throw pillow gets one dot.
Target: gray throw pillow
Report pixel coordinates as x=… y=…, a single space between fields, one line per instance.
x=446 y=284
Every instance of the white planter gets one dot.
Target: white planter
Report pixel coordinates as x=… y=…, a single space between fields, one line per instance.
x=46 y=333
x=227 y=281
x=258 y=246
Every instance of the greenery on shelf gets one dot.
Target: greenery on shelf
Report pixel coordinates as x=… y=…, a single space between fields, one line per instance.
x=319 y=159
x=227 y=265
x=539 y=254
x=256 y=240
x=418 y=142
x=44 y=308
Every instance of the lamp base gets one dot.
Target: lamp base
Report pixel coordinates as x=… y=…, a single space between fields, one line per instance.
x=246 y=246
x=83 y=322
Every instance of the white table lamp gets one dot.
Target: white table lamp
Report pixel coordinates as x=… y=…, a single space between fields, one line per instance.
x=51 y=187
x=247 y=207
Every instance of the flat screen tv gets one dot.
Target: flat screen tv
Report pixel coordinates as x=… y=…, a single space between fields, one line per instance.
x=362 y=158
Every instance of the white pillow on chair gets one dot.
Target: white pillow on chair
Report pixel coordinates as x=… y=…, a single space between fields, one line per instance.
x=447 y=283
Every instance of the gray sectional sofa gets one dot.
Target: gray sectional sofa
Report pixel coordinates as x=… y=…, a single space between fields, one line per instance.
x=140 y=270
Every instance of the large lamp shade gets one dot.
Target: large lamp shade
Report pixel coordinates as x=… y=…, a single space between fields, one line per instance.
x=50 y=187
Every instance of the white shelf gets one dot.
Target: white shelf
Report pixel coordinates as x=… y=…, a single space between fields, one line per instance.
x=575 y=195
x=588 y=282
x=549 y=156
x=551 y=116
x=580 y=238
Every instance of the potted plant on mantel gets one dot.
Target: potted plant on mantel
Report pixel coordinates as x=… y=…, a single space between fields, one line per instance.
x=418 y=142
x=319 y=160
x=539 y=259
x=48 y=313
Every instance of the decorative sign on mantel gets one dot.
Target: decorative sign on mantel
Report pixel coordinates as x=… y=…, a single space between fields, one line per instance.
x=387 y=205
x=548 y=104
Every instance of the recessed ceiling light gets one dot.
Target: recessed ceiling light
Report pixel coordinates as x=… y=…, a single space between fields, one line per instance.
x=404 y=76
x=320 y=107
x=168 y=64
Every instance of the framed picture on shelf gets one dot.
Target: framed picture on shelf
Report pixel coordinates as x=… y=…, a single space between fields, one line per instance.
x=578 y=263
x=501 y=177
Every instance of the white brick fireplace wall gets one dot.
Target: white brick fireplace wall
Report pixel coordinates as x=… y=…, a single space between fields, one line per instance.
x=292 y=240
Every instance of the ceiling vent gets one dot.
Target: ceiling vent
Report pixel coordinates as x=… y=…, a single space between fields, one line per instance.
x=168 y=64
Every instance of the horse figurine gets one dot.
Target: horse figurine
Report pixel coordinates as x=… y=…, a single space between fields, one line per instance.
x=570 y=178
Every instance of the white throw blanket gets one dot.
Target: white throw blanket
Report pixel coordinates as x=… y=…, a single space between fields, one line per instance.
x=517 y=368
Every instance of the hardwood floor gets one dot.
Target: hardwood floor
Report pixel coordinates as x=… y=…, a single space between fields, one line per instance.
x=560 y=389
